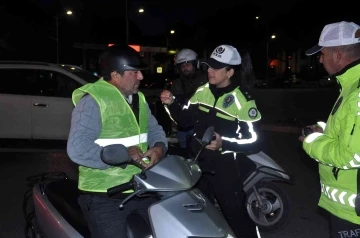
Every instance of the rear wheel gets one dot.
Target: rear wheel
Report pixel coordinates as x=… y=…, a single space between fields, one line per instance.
x=274 y=212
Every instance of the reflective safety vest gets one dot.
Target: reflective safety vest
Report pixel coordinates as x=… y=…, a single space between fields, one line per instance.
x=119 y=126
x=338 y=150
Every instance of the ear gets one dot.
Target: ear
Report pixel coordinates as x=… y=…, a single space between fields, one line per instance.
x=230 y=73
x=337 y=56
x=115 y=75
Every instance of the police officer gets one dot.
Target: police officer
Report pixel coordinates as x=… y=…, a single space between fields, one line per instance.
x=190 y=78
x=112 y=111
x=335 y=144
x=225 y=103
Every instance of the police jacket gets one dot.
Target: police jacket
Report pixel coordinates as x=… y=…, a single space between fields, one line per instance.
x=231 y=111
x=338 y=148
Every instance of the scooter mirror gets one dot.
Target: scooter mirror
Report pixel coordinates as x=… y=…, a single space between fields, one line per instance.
x=114 y=154
x=208 y=135
x=206 y=139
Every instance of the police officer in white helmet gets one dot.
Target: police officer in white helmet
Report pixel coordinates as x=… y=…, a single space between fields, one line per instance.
x=190 y=78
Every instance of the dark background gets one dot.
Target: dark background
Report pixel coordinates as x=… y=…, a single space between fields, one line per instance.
x=28 y=27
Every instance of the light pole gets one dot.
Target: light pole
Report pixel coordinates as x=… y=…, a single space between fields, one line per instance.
x=267 y=53
x=141 y=10
x=266 y=45
x=127 y=22
x=57 y=33
x=172 y=32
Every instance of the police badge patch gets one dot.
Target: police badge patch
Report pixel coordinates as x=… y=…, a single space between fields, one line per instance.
x=228 y=100
x=253 y=112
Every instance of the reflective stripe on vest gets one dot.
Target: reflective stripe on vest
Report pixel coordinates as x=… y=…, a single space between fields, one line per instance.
x=338 y=196
x=127 y=142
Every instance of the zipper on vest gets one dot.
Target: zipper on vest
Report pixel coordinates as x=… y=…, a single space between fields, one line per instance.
x=352 y=131
x=351 y=135
x=335 y=172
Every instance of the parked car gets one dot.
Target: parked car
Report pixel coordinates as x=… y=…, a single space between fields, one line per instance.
x=35 y=99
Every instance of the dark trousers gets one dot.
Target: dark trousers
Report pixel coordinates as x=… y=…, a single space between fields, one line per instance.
x=226 y=184
x=340 y=228
x=104 y=217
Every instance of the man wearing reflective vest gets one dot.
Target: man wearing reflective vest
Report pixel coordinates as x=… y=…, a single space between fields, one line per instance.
x=224 y=103
x=336 y=144
x=112 y=111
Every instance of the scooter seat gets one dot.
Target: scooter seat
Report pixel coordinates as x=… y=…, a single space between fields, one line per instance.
x=63 y=195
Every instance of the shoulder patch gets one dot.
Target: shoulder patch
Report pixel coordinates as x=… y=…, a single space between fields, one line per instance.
x=228 y=100
x=253 y=112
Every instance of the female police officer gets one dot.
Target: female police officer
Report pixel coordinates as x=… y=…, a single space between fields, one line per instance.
x=225 y=103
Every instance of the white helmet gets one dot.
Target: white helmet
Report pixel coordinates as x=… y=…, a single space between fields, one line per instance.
x=185 y=55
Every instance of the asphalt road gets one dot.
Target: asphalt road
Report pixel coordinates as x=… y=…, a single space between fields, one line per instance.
x=283 y=147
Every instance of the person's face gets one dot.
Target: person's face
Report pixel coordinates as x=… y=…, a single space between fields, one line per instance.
x=129 y=82
x=187 y=69
x=330 y=58
x=220 y=77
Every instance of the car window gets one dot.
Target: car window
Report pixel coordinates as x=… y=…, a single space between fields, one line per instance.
x=81 y=73
x=37 y=83
x=55 y=84
x=17 y=81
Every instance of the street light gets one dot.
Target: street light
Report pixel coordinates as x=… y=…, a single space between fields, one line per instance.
x=267 y=54
x=127 y=22
x=172 y=32
x=267 y=43
x=57 y=33
x=141 y=10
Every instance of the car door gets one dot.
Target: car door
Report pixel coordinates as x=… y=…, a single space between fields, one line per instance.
x=52 y=107
x=15 y=101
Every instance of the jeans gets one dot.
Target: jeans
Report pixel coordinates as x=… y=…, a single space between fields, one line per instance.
x=105 y=219
x=182 y=137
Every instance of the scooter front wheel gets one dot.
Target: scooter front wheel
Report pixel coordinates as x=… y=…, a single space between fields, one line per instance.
x=273 y=212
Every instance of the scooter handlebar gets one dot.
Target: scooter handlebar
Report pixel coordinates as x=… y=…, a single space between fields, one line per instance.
x=120 y=188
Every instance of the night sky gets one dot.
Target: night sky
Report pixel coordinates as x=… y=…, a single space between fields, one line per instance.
x=30 y=24
x=160 y=16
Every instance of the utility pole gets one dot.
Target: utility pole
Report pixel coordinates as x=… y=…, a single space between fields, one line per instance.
x=57 y=39
x=267 y=49
x=127 y=22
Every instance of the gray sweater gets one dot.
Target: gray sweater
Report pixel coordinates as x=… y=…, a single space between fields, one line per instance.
x=86 y=128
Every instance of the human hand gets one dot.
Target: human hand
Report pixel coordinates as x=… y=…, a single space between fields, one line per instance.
x=215 y=144
x=167 y=97
x=155 y=154
x=310 y=129
x=136 y=154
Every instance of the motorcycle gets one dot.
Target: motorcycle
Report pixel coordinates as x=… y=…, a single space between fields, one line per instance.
x=182 y=210
x=268 y=205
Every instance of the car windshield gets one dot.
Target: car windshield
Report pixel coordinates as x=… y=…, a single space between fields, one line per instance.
x=81 y=73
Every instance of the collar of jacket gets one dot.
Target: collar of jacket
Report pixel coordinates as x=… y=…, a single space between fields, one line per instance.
x=218 y=92
x=349 y=74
